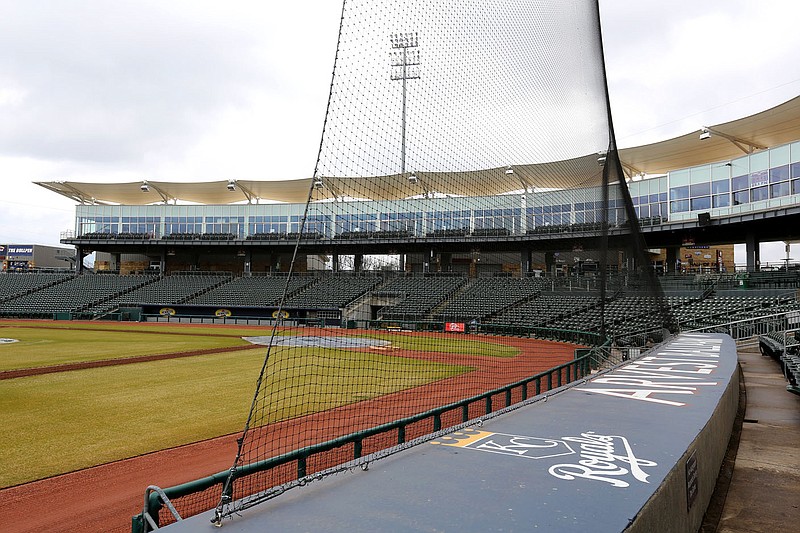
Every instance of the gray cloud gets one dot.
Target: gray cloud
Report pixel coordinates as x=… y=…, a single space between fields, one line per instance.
x=110 y=81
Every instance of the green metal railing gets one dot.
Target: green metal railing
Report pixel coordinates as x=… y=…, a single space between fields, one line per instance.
x=529 y=388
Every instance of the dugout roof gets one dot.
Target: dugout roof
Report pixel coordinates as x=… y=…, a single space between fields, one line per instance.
x=773 y=127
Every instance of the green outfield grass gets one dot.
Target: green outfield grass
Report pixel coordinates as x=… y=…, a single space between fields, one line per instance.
x=60 y=422
x=54 y=343
x=55 y=346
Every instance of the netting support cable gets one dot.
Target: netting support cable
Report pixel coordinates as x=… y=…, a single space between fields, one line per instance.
x=614 y=164
x=227 y=492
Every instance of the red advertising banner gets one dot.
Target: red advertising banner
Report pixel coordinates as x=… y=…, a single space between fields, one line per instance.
x=455 y=327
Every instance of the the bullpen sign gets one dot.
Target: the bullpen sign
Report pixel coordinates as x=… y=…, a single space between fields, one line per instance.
x=20 y=250
x=454 y=327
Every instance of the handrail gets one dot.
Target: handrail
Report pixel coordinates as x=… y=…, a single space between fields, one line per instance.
x=732 y=325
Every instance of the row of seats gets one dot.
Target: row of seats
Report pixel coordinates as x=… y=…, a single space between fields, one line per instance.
x=350 y=235
x=486 y=296
x=72 y=294
x=291 y=236
x=332 y=292
x=544 y=310
x=15 y=284
x=785 y=350
x=510 y=301
x=97 y=235
x=418 y=296
x=252 y=291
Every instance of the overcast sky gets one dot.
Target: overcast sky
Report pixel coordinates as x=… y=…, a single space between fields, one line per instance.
x=92 y=90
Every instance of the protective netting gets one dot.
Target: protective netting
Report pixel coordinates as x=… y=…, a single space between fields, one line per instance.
x=472 y=201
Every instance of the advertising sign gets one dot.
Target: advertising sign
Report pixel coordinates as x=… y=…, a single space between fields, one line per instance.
x=454 y=327
x=20 y=250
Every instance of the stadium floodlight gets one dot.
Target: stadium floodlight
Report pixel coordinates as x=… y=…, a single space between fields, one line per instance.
x=231 y=185
x=705 y=133
x=601 y=158
x=405 y=66
x=145 y=187
x=318 y=183
x=509 y=170
x=412 y=178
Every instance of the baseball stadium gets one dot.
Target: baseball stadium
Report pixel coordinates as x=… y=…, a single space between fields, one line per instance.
x=474 y=266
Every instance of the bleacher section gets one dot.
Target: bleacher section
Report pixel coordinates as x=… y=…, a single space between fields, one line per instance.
x=515 y=302
x=785 y=349
x=250 y=291
x=173 y=289
x=332 y=292
x=74 y=294
x=544 y=310
x=486 y=296
x=418 y=296
x=718 y=310
x=13 y=284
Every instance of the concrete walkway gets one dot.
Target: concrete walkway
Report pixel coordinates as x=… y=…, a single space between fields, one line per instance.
x=764 y=492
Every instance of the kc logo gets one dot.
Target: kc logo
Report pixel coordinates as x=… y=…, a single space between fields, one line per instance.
x=605 y=458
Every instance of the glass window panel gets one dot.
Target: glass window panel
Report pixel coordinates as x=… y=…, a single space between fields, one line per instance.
x=701 y=203
x=721 y=200
x=679 y=206
x=721 y=186
x=759 y=161
x=644 y=211
x=679 y=178
x=795 y=186
x=701 y=174
x=679 y=193
x=759 y=178
x=721 y=171
x=778 y=174
x=779 y=156
x=759 y=193
x=741 y=166
x=700 y=189
x=741 y=197
x=662 y=197
x=777 y=190
x=653 y=198
x=795 y=170
x=740 y=183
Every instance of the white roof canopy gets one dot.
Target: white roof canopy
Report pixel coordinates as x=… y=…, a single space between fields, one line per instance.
x=772 y=127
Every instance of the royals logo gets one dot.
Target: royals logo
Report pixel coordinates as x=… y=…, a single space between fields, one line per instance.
x=591 y=456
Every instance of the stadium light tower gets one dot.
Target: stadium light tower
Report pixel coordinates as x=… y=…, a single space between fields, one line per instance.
x=405 y=63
